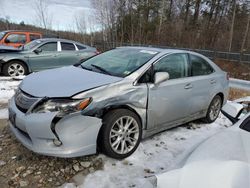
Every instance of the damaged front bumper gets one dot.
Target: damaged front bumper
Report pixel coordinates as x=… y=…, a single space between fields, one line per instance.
x=76 y=133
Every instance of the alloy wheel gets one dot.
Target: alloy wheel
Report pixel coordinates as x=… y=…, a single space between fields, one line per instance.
x=215 y=108
x=16 y=69
x=124 y=135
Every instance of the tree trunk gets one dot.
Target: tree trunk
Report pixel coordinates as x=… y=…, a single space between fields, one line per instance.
x=232 y=27
x=245 y=35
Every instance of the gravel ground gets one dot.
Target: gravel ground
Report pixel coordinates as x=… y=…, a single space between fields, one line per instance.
x=20 y=167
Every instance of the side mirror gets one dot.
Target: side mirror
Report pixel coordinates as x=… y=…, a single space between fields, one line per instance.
x=38 y=51
x=160 y=77
x=232 y=111
x=7 y=41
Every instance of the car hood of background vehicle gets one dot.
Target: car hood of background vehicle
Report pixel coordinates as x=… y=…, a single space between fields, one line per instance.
x=64 y=82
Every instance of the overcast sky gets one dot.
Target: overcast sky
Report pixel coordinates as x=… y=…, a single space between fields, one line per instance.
x=63 y=12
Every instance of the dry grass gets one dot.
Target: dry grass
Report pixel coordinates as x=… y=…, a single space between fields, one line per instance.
x=238 y=93
x=235 y=69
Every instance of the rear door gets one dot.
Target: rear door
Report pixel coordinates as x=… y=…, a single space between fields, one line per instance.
x=46 y=58
x=203 y=83
x=15 y=39
x=168 y=102
x=67 y=55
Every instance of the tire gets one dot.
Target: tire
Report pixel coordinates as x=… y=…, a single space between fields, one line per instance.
x=15 y=68
x=120 y=136
x=213 y=109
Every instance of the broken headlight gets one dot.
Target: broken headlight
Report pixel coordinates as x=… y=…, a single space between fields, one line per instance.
x=64 y=106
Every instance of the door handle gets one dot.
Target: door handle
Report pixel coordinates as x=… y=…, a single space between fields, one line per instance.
x=213 y=81
x=188 y=86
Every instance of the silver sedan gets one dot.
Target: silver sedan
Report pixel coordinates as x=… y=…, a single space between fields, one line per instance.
x=110 y=102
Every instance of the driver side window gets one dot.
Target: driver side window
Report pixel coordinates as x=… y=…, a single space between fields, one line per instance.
x=176 y=65
x=49 y=47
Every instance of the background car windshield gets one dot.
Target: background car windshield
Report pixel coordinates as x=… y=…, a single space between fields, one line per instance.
x=120 y=62
x=32 y=45
x=2 y=35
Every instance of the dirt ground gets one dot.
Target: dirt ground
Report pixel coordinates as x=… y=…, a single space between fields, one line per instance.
x=20 y=167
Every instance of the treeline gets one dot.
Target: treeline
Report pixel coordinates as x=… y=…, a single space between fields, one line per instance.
x=6 y=24
x=204 y=24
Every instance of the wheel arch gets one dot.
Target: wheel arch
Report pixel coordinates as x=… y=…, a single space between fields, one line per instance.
x=106 y=110
x=20 y=60
x=221 y=96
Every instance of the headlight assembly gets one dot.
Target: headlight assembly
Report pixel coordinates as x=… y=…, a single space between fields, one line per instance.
x=64 y=106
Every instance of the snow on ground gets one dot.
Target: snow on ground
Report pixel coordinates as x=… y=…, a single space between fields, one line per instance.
x=7 y=86
x=4 y=113
x=154 y=155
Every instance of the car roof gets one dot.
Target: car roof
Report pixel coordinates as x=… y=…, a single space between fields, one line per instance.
x=26 y=31
x=58 y=39
x=164 y=50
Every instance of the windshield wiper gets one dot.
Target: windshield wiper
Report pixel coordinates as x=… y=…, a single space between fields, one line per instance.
x=85 y=67
x=101 y=69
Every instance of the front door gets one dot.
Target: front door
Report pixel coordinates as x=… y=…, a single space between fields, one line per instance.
x=46 y=57
x=168 y=102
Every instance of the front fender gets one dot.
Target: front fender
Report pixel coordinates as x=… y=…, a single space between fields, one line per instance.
x=79 y=133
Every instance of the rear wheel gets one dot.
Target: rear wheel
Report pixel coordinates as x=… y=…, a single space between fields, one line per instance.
x=214 y=109
x=15 y=68
x=120 y=134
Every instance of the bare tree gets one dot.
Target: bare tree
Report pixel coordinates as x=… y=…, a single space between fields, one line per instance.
x=232 y=26
x=81 y=22
x=43 y=17
x=245 y=33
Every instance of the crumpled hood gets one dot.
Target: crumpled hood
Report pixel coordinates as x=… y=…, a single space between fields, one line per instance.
x=64 y=82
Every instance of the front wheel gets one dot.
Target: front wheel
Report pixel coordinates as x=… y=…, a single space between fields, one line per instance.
x=213 y=109
x=15 y=68
x=121 y=133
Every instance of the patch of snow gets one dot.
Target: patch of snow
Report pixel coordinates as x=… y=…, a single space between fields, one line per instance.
x=7 y=87
x=4 y=113
x=154 y=155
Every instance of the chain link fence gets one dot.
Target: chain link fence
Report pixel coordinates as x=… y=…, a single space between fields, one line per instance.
x=212 y=54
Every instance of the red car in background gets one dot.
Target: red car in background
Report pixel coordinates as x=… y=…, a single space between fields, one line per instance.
x=17 y=38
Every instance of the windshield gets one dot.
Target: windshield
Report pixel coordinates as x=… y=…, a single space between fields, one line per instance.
x=32 y=44
x=119 y=62
x=2 y=35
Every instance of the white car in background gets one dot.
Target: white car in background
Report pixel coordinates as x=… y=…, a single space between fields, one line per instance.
x=221 y=161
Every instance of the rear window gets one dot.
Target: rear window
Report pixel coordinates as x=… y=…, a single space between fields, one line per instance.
x=34 y=37
x=67 y=46
x=80 y=47
x=2 y=35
